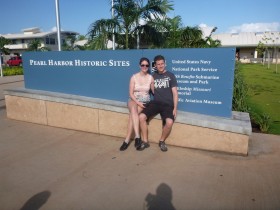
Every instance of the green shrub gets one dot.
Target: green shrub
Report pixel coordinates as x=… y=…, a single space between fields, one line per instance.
x=263 y=121
x=10 y=71
x=240 y=90
x=240 y=98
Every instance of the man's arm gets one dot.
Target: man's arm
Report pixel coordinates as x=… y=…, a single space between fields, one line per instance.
x=175 y=101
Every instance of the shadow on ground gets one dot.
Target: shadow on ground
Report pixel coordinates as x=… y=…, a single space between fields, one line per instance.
x=36 y=201
x=161 y=200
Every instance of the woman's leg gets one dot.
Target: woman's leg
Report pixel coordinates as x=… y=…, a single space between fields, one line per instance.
x=133 y=109
x=125 y=144
x=129 y=129
x=139 y=111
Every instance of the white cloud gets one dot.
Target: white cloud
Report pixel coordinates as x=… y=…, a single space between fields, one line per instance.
x=255 y=27
x=205 y=29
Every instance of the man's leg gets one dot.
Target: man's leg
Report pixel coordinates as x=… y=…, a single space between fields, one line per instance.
x=166 y=129
x=144 y=127
x=167 y=116
x=144 y=130
x=150 y=110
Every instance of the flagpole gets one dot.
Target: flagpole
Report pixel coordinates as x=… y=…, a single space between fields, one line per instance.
x=1 y=70
x=58 y=24
x=113 y=27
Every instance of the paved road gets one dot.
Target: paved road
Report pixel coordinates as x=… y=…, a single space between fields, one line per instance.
x=50 y=168
x=9 y=82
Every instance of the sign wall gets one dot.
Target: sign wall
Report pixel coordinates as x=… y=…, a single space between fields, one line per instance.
x=204 y=76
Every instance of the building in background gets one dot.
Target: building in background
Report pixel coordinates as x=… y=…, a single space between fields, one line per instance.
x=247 y=43
x=21 y=41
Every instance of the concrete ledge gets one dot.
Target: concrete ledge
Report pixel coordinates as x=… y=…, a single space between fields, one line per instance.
x=26 y=109
x=72 y=117
x=110 y=118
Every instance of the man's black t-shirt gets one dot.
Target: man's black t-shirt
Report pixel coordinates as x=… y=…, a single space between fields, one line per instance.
x=163 y=87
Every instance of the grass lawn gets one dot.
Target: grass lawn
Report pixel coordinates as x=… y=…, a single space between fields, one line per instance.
x=264 y=91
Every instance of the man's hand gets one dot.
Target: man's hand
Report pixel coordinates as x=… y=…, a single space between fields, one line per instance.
x=141 y=105
x=175 y=113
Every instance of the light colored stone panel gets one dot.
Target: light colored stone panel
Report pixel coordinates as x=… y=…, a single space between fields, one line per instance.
x=208 y=139
x=113 y=123
x=189 y=136
x=26 y=109
x=72 y=117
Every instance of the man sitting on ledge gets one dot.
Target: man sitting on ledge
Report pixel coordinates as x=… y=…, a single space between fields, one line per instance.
x=165 y=103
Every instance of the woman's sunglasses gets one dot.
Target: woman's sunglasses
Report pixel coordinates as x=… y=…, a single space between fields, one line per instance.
x=142 y=65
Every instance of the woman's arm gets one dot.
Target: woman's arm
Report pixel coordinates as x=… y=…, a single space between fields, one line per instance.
x=153 y=85
x=131 y=92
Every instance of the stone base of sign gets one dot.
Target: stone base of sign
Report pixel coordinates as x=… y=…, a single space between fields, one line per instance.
x=110 y=118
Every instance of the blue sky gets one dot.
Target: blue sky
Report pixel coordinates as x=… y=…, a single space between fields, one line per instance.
x=77 y=15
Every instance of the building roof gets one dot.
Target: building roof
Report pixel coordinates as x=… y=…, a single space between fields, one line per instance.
x=30 y=33
x=248 y=39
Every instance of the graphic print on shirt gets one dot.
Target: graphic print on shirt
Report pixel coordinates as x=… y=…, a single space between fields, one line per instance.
x=162 y=83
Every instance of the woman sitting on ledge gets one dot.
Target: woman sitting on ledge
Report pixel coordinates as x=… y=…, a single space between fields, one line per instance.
x=139 y=94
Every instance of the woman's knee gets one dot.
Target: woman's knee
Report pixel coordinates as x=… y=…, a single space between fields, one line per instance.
x=142 y=117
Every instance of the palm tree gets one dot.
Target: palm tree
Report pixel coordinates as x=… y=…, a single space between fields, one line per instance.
x=3 y=42
x=35 y=45
x=152 y=12
x=100 y=31
x=210 y=42
x=192 y=37
x=174 y=32
x=170 y=33
x=70 y=43
x=150 y=35
x=127 y=14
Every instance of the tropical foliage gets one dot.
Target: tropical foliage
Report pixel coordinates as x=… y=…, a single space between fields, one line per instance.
x=145 y=23
x=125 y=25
x=100 y=32
x=36 y=45
x=70 y=43
x=3 y=42
x=170 y=33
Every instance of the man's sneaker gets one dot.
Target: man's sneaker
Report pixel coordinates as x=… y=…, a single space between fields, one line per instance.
x=137 y=142
x=143 y=146
x=162 y=146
